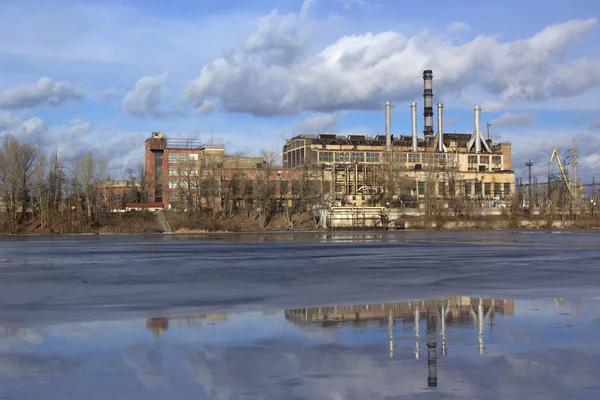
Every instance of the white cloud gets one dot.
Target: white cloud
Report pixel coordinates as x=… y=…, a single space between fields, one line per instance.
x=458 y=26
x=492 y=106
x=45 y=92
x=514 y=119
x=109 y=94
x=275 y=73
x=11 y=125
x=147 y=96
x=595 y=125
x=318 y=123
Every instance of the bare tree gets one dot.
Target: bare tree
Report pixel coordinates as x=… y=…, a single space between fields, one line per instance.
x=18 y=165
x=90 y=172
x=264 y=190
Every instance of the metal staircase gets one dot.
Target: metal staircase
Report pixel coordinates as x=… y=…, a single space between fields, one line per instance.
x=162 y=222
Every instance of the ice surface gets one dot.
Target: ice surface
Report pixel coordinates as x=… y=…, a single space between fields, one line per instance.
x=46 y=280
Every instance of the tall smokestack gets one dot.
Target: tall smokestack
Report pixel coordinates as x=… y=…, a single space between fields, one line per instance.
x=428 y=97
x=440 y=144
x=413 y=109
x=388 y=125
x=477 y=129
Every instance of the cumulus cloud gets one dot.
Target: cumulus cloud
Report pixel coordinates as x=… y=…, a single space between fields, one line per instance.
x=275 y=72
x=147 y=96
x=514 y=119
x=45 y=92
x=318 y=123
x=11 y=125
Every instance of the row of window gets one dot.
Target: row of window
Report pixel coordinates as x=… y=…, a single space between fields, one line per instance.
x=248 y=188
x=183 y=170
x=484 y=189
x=485 y=159
x=348 y=156
x=428 y=158
x=182 y=157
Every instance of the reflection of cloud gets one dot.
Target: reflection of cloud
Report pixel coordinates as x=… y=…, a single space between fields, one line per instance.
x=146 y=360
x=42 y=367
x=288 y=369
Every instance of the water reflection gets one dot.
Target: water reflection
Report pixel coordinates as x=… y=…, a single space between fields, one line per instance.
x=451 y=311
x=457 y=346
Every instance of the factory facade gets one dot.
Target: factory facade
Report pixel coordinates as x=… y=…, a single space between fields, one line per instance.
x=356 y=167
x=352 y=170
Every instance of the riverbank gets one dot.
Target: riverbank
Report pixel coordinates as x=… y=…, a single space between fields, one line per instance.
x=143 y=222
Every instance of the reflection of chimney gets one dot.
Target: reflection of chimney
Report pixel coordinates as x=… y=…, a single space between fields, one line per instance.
x=428 y=100
x=391 y=333
x=388 y=125
x=480 y=317
x=477 y=129
x=413 y=109
x=444 y=315
x=417 y=334
x=432 y=363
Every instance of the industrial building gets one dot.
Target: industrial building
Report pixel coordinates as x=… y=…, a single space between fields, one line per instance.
x=356 y=167
x=177 y=167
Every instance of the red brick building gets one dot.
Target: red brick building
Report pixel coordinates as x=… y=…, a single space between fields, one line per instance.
x=184 y=173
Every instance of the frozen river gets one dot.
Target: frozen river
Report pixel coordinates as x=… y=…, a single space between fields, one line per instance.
x=481 y=314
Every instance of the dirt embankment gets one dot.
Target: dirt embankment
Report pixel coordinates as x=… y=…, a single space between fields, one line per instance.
x=146 y=222
x=238 y=222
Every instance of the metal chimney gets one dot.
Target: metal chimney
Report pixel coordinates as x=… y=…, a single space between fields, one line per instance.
x=428 y=99
x=413 y=109
x=440 y=144
x=477 y=129
x=388 y=125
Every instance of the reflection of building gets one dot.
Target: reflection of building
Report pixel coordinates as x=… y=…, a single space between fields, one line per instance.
x=448 y=312
x=458 y=312
x=159 y=325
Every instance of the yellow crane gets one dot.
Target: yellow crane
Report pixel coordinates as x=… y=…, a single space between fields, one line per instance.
x=573 y=191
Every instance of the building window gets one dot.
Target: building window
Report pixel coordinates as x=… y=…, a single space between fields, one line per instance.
x=442 y=188
x=497 y=189
x=342 y=156
x=488 y=189
x=428 y=158
x=283 y=187
x=326 y=156
x=414 y=158
x=193 y=157
x=372 y=157
x=496 y=160
x=172 y=170
x=421 y=187
x=400 y=157
x=467 y=189
x=484 y=159
x=359 y=156
x=172 y=184
x=472 y=163
x=440 y=158
x=478 y=188
x=507 y=188
x=179 y=157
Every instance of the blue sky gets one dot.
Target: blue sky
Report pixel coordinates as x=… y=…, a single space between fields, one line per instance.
x=102 y=75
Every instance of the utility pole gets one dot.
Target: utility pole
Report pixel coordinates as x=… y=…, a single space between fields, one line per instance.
x=529 y=164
